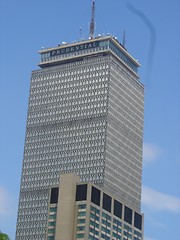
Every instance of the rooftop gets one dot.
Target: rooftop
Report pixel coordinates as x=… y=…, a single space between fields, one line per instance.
x=66 y=51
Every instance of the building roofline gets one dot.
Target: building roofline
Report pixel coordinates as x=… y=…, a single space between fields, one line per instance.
x=114 y=40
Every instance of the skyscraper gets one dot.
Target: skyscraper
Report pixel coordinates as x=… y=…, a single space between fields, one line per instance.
x=85 y=115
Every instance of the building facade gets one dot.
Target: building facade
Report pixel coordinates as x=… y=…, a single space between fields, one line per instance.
x=81 y=210
x=85 y=115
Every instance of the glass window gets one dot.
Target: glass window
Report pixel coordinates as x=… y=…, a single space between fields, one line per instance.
x=81 y=192
x=138 y=221
x=137 y=233
x=129 y=229
x=52 y=216
x=51 y=230
x=95 y=196
x=107 y=202
x=51 y=238
x=80 y=235
x=82 y=206
x=117 y=209
x=93 y=216
x=82 y=214
x=51 y=223
x=80 y=221
x=80 y=228
x=93 y=209
x=116 y=236
x=105 y=237
x=128 y=215
x=54 y=195
x=53 y=209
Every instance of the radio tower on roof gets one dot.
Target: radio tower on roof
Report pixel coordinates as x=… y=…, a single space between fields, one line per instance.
x=92 y=21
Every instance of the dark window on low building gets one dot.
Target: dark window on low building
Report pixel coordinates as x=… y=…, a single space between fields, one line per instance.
x=54 y=195
x=106 y=202
x=138 y=221
x=117 y=209
x=81 y=192
x=128 y=215
x=95 y=196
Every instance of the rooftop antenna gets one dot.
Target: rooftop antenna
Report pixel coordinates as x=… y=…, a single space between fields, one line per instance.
x=92 y=21
x=124 y=38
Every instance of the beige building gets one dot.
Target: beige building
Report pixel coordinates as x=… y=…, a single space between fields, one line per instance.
x=81 y=210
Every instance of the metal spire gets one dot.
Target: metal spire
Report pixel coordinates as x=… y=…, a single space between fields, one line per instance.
x=92 y=24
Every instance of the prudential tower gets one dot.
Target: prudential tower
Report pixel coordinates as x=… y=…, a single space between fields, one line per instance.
x=85 y=115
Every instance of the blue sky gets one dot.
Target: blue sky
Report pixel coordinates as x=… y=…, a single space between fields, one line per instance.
x=152 y=37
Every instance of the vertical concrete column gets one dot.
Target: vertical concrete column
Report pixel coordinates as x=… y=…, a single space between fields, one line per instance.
x=66 y=207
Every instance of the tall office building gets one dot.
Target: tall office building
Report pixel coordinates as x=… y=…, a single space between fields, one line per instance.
x=81 y=210
x=85 y=115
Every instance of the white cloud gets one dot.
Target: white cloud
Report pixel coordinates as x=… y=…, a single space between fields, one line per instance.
x=160 y=201
x=150 y=152
x=4 y=202
x=148 y=238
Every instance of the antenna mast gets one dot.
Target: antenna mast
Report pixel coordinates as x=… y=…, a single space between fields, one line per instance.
x=92 y=21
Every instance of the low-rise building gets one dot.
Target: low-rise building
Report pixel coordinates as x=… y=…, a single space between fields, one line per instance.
x=82 y=210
